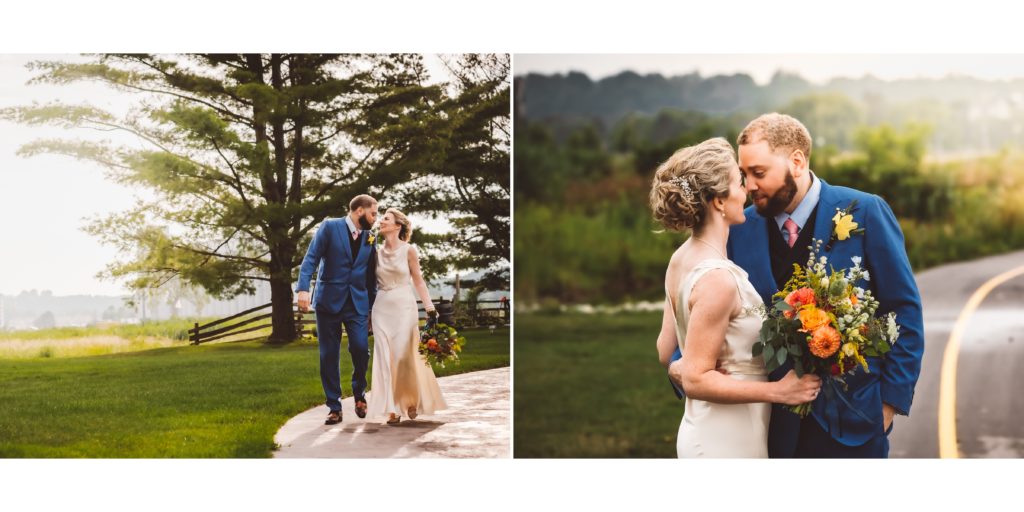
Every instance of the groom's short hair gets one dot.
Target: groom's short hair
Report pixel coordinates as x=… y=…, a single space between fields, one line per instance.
x=780 y=131
x=361 y=201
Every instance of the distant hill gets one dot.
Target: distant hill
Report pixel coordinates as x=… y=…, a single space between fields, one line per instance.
x=968 y=113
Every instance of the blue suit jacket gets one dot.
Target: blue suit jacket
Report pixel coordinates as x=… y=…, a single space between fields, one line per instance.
x=340 y=277
x=881 y=247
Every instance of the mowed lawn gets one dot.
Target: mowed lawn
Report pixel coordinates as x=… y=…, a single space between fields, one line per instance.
x=219 y=400
x=591 y=386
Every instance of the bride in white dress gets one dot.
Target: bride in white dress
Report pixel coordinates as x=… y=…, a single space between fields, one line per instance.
x=403 y=383
x=710 y=311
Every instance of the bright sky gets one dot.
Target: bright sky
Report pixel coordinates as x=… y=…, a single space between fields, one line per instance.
x=816 y=68
x=45 y=200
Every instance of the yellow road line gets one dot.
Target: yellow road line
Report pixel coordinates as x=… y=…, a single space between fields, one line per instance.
x=948 y=448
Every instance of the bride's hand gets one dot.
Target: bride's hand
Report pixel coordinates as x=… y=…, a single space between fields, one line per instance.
x=795 y=390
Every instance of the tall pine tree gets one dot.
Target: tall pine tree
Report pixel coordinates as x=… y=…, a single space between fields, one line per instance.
x=245 y=154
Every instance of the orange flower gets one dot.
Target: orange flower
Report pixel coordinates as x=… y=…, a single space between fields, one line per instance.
x=432 y=344
x=813 y=318
x=824 y=342
x=799 y=297
x=853 y=299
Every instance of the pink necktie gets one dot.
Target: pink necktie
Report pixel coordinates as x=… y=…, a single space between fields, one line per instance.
x=355 y=234
x=790 y=228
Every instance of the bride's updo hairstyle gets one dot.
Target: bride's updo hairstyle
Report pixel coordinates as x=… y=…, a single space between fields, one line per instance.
x=405 y=233
x=688 y=180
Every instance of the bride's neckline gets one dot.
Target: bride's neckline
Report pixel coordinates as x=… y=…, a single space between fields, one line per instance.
x=384 y=247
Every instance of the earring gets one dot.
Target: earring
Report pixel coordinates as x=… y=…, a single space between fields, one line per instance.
x=723 y=214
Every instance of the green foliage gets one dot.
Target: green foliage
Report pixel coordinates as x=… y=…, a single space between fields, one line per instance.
x=246 y=154
x=589 y=237
x=469 y=183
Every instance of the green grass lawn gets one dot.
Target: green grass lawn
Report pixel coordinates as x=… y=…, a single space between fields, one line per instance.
x=218 y=400
x=591 y=386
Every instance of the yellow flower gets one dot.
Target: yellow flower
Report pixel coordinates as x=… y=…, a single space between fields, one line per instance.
x=844 y=225
x=850 y=349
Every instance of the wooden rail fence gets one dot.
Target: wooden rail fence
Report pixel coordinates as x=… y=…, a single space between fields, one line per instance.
x=305 y=323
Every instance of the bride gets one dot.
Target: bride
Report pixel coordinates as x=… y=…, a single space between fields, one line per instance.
x=403 y=383
x=710 y=310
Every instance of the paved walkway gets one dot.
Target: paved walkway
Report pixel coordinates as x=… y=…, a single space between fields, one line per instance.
x=475 y=425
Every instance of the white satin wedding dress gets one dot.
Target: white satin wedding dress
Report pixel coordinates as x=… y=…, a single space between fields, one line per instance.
x=715 y=430
x=401 y=377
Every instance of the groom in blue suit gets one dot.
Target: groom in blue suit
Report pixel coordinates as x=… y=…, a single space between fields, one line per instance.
x=345 y=291
x=792 y=208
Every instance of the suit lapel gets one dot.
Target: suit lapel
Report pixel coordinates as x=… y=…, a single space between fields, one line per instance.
x=363 y=251
x=346 y=238
x=827 y=204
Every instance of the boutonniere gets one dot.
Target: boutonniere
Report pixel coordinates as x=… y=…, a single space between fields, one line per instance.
x=843 y=225
x=370 y=240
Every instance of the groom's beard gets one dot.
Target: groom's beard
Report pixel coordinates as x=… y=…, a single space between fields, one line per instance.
x=365 y=223
x=777 y=203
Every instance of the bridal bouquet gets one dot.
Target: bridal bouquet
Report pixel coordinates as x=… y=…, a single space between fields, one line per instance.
x=440 y=343
x=824 y=325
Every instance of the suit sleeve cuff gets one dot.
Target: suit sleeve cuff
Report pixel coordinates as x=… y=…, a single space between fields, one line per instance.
x=899 y=397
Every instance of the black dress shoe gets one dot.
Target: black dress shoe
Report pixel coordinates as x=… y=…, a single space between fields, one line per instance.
x=361 y=408
x=333 y=418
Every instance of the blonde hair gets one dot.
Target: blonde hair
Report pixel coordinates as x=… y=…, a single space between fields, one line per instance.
x=690 y=178
x=780 y=131
x=405 y=233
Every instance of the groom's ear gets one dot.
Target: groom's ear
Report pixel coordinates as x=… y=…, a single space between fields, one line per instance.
x=799 y=161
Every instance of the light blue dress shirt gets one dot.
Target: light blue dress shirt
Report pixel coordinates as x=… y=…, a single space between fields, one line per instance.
x=803 y=210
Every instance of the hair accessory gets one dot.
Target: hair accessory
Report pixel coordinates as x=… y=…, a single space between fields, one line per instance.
x=683 y=182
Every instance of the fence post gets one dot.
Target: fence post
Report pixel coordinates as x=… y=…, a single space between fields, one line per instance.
x=194 y=338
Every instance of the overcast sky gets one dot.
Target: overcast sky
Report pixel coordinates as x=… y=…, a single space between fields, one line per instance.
x=45 y=200
x=817 y=68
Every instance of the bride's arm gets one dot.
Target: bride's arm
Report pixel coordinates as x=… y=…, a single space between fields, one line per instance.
x=715 y=300
x=417 y=279
x=667 y=341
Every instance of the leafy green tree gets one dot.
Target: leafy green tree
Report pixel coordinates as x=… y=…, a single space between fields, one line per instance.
x=830 y=117
x=244 y=154
x=469 y=182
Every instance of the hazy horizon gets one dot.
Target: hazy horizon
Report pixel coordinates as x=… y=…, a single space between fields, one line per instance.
x=815 y=68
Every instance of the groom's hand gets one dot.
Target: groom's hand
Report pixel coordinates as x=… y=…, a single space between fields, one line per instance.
x=888 y=412
x=303 y=300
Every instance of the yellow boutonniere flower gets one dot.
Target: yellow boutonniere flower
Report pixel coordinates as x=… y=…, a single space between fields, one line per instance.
x=370 y=239
x=844 y=225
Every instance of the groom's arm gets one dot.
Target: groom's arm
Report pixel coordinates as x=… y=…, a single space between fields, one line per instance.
x=314 y=253
x=896 y=291
x=677 y=355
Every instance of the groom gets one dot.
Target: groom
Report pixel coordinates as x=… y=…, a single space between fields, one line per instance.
x=793 y=208
x=346 y=289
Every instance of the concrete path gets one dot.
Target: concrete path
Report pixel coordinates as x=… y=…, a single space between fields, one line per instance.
x=475 y=425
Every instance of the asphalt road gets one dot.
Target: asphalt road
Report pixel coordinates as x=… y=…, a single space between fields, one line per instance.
x=990 y=373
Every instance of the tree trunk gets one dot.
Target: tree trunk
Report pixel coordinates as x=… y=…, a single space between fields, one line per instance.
x=282 y=317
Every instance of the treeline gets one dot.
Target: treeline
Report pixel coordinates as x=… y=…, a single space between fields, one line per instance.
x=966 y=114
x=584 y=231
